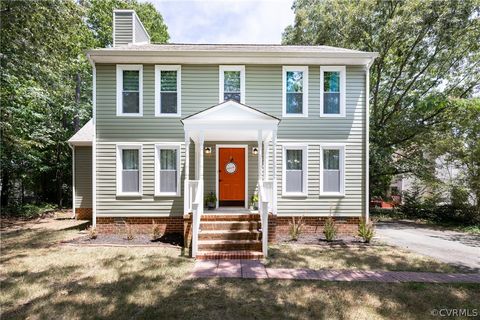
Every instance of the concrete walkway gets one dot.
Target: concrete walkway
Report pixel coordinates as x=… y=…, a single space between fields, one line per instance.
x=457 y=248
x=254 y=269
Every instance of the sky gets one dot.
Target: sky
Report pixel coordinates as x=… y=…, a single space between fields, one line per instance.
x=227 y=21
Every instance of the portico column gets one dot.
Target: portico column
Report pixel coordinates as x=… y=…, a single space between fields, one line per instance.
x=260 y=154
x=201 y=140
x=186 y=190
x=266 y=157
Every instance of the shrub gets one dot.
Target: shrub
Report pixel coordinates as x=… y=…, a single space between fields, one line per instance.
x=92 y=232
x=366 y=230
x=128 y=232
x=156 y=232
x=296 y=228
x=330 y=229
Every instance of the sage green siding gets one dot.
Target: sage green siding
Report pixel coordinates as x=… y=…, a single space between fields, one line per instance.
x=263 y=91
x=123 y=28
x=83 y=177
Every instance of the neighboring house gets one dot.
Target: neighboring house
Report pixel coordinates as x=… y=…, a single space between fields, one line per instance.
x=175 y=122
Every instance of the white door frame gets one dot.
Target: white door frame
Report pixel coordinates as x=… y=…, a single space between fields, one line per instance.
x=219 y=146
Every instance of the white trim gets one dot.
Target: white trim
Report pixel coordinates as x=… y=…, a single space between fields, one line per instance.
x=341 y=148
x=119 y=80
x=343 y=90
x=119 y=148
x=114 y=19
x=304 y=149
x=143 y=27
x=94 y=147
x=138 y=215
x=73 y=182
x=367 y=144
x=158 y=70
x=171 y=146
x=304 y=113
x=218 y=146
x=221 y=77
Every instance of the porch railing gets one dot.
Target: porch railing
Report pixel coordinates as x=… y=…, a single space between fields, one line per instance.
x=265 y=205
x=195 y=202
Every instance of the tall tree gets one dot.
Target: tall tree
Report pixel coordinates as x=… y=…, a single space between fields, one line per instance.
x=428 y=49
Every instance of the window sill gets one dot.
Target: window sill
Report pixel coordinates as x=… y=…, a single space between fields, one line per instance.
x=295 y=195
x=293 y=115
x=129 y=195
x=166 y=195
x=332 y=195
x=128 y=115
x=168 y=115
x=332 y=115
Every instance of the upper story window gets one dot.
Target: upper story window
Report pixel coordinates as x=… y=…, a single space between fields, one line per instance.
x=332 y=171
x=295 y=176
x=232 y=83
x=129 y=90
x=129 y=170
x=295 y=91
x=332 y=91
x=167 y=90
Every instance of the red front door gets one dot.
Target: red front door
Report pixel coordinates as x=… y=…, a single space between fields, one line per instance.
x=231 y=176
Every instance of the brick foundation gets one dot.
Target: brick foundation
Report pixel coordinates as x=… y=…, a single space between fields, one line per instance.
x=142 y=225
x=280 y=226
x=83 y=213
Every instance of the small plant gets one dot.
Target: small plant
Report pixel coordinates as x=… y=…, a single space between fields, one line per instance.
x=254 y=201
x=296 y=228
x=366 y=231
x=211 y=200
x=128 y=231
x=330 y=229
x=156 y=232
x=92 y=232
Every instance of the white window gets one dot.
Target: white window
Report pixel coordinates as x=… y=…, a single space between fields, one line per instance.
x=332 y=91
x=168 y=79
x=332 y=170
x=295 y=175
x=295 y=91
x=129 y=90
x=167 y=170
x=232 y=83
x=129 y=170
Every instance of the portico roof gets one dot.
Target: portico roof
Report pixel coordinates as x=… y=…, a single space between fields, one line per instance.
x=230 y=121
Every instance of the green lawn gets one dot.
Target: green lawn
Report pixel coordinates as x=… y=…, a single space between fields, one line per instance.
x=42 y=280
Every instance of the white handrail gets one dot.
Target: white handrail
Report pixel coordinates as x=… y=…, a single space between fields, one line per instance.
x=196 y=196
x=265 y=204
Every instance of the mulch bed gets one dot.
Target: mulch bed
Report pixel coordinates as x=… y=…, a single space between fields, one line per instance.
x=319 y=240
x=119 y=240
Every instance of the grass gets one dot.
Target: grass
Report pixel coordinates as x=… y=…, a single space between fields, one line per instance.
x=42 y=280
x=359 y=257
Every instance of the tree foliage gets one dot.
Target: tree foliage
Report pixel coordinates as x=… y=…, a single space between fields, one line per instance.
x=46 y=88
x=428 y=51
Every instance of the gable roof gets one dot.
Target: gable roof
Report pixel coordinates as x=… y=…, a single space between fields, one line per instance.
x=229 y=110
x=84 y=136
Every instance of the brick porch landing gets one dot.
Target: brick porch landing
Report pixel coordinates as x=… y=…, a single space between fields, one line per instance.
x=252 y=269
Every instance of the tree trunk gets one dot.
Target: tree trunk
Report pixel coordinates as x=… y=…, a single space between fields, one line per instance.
x=5 y=186
x=76 y=118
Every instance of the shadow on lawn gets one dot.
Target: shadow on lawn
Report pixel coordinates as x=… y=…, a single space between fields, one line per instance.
x=376 y=257
x=148 y=285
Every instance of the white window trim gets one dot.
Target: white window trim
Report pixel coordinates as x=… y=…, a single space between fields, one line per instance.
x=120 y=69
x=304 y=69
x=304 y=149
x=340 y=147
x=121 y=147
x=171 y=146
x=343 y=82
x=221 y=77
x=158 y=69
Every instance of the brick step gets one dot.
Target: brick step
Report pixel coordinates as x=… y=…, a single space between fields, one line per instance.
x=240 y=254
x=229 y=245
x=230 y=235
x=229 y=225
x=231 y=217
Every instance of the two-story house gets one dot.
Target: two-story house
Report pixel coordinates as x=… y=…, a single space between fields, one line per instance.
x=173 y=123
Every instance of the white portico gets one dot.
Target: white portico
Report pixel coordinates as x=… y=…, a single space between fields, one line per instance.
x=230 y=122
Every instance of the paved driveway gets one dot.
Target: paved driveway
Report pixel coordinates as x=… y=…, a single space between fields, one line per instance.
x=453 y=247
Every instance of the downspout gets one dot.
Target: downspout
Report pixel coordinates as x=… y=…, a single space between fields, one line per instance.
x=73 y=180
x=367 y=140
